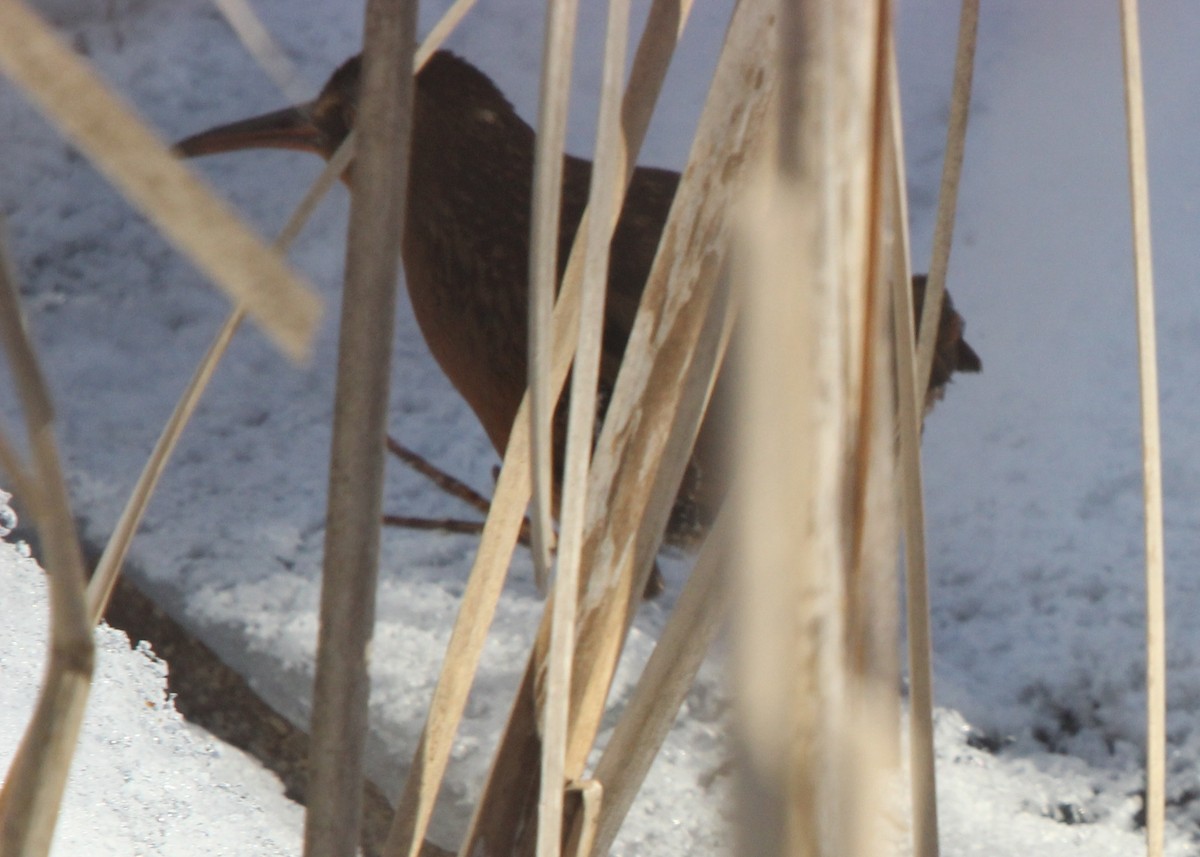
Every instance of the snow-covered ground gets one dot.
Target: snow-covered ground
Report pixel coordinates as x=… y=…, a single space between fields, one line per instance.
x=144 y=781
x=1033 y=468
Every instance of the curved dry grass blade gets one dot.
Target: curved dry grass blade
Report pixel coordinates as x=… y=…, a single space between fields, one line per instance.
x=20 y=479
x=1156 y=659
x=262 y=46
x=33 y=789
x=138 y=164
x=663 y=26
x=104 y=578
x=943 y=232
x=871 y=586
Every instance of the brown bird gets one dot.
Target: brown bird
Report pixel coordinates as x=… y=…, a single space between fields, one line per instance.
x=466 y=247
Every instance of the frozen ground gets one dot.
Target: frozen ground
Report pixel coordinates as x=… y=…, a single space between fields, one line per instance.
x=1033 y=468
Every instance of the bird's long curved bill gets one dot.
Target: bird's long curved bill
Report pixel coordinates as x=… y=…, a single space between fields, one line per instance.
x=291 y=128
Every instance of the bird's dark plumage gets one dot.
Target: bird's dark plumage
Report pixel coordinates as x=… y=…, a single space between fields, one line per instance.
x=466 y=243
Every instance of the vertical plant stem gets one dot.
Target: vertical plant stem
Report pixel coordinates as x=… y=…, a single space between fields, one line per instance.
x=607 y=176
x=677 y=339
x=920 y=645
x=339 y=720
x=543 y=269
x=108 y=568
x=1156 y=662
x=663 y=27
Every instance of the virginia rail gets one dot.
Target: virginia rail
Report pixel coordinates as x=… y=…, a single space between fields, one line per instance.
x=466 y=247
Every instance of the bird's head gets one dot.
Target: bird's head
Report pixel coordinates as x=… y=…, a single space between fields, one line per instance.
x=318 y=126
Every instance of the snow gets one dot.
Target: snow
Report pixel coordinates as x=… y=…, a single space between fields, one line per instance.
x=143 y=781
x=1032 y=469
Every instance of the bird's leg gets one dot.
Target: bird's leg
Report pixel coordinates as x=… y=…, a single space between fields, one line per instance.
x=451 y=485
x=457 y=488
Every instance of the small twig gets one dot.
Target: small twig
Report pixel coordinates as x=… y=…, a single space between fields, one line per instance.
x=453 y=486
x=448 y=525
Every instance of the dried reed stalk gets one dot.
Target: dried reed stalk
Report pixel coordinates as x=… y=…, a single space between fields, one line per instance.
x=871 y=585
x=1156 y=659
x=607 y=172
x=133 y=158
x=350 y=570
x=543 y=268
x=33 y=789
x=442 y=30
x=814 y=450
x=943 y=231
x=262 y=46
x=104 y=578
x=668 y=675
x=663 y=26
x=648 y=431
x=922 y=768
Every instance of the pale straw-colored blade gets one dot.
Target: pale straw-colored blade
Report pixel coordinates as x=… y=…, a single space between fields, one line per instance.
x=33 y=787
x=684 y=321
x=104 y=578
x=664 y=24
x=1156 y=660
x=943 y=231
x=920 y=645
x=441 y=31
x=136 y=161
x=543 y=271
x=607 y=177
x=665 y=681
x=261 y=45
